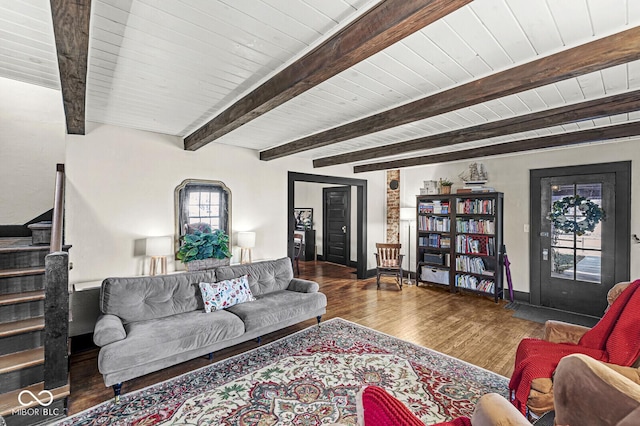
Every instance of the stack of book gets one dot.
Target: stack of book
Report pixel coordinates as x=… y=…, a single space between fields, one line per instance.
x=474 y=189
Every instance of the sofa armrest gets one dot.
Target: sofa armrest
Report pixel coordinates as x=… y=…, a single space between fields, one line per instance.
x=563 y=332
x=630 y=373
x=493 y=409
x=587 y=391
x=303 y=286
x=109 y=329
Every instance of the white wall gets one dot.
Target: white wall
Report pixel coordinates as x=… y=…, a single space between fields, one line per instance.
x=32 y=142
x=120 y=189
x=510 y=174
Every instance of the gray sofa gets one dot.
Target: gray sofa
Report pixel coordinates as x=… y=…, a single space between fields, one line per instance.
x=150 y=323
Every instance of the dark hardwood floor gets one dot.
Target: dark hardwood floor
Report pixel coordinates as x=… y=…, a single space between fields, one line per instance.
x=466 y=326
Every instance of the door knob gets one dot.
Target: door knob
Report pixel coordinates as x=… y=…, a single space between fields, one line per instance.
x=344 y=229
x=545 y=254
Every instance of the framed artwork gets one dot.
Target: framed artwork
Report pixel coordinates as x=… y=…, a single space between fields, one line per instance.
x=303 y=217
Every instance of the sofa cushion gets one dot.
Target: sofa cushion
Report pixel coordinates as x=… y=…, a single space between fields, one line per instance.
x=161 y=338
x=277 y=306
x=144 y=298
x=226 y=293
x=264 y=277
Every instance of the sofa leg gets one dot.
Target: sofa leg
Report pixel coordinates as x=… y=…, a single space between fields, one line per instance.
x=116 y=392
x=319 y=318
x=210 y=356
x=259 y=339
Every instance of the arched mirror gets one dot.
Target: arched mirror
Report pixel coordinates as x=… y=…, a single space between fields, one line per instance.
x=202 y=205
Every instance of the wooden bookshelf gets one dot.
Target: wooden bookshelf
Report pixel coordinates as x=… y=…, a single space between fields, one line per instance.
x=459 y=242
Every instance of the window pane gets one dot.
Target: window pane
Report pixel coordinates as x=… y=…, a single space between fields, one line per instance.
x=590 y=240
x=558 y=192
x=564 y=240
x=588 y=266
x=214 y=197
x=194 y=197
x=562 y=263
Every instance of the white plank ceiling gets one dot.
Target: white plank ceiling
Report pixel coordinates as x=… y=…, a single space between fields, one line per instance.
x=170 y=66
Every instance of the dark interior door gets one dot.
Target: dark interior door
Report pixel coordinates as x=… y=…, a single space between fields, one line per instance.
x=337 y=214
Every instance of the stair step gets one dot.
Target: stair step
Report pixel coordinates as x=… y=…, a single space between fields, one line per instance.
x=21 y=311
x=13 y=243
x=9 y=401
x=23 y=326
x=28 y=296
x=20 y=280
x=20 y=360
x=21 y=272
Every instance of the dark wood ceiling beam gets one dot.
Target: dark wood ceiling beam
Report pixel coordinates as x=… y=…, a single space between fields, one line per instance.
x=606 y=52
x=552 y=141
x=382 y=26
x=590 y=110
x=71 y=30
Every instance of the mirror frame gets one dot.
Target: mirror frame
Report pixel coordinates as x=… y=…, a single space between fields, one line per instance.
x=198 y=182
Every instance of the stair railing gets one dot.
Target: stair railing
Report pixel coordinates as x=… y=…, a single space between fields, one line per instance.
x=56 y=303
x=58 y=210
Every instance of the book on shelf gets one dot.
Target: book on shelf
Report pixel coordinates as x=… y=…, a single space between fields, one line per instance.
x=480 y=188
x=473 y=283
x=475 y=226
x=475 y=265
x=475 y=206
x=475 y=244
x=434 y=207
x=430 y=223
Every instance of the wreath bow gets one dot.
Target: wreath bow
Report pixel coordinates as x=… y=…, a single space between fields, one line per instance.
x=592 y=212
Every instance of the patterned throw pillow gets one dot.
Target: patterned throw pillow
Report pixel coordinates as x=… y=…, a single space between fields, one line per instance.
x=224 y=294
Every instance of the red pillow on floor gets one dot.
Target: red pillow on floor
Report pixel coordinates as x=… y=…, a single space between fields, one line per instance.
x=376 y=407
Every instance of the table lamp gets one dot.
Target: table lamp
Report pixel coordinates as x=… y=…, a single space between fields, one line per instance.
x=246 y=241
x=158 y=248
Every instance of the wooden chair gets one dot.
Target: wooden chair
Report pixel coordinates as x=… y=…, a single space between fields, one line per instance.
x=389 y=262
x=298 y=247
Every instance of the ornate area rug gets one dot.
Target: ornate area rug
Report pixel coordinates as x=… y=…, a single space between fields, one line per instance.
x=308 y=378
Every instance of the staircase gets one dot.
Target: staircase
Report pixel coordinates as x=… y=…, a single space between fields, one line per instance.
x=22 y=336
x=34 y=310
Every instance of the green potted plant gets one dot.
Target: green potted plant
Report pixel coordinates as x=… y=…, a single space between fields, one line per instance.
x=445 y=186
x=204 y=250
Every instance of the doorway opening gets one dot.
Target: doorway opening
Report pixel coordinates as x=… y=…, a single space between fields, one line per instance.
x=572 y=268
x=360 y=186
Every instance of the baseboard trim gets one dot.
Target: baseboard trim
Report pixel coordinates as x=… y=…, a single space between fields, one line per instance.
x=371 y=273
x=518 y=296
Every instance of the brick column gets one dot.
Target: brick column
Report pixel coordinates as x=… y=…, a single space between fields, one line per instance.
x=393 y=206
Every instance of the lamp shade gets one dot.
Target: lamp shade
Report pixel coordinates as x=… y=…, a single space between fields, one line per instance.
x=247 y=239
x=407 y=213
x=159 y=246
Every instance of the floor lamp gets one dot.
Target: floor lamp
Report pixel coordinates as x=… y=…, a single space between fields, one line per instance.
x=408 y=214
